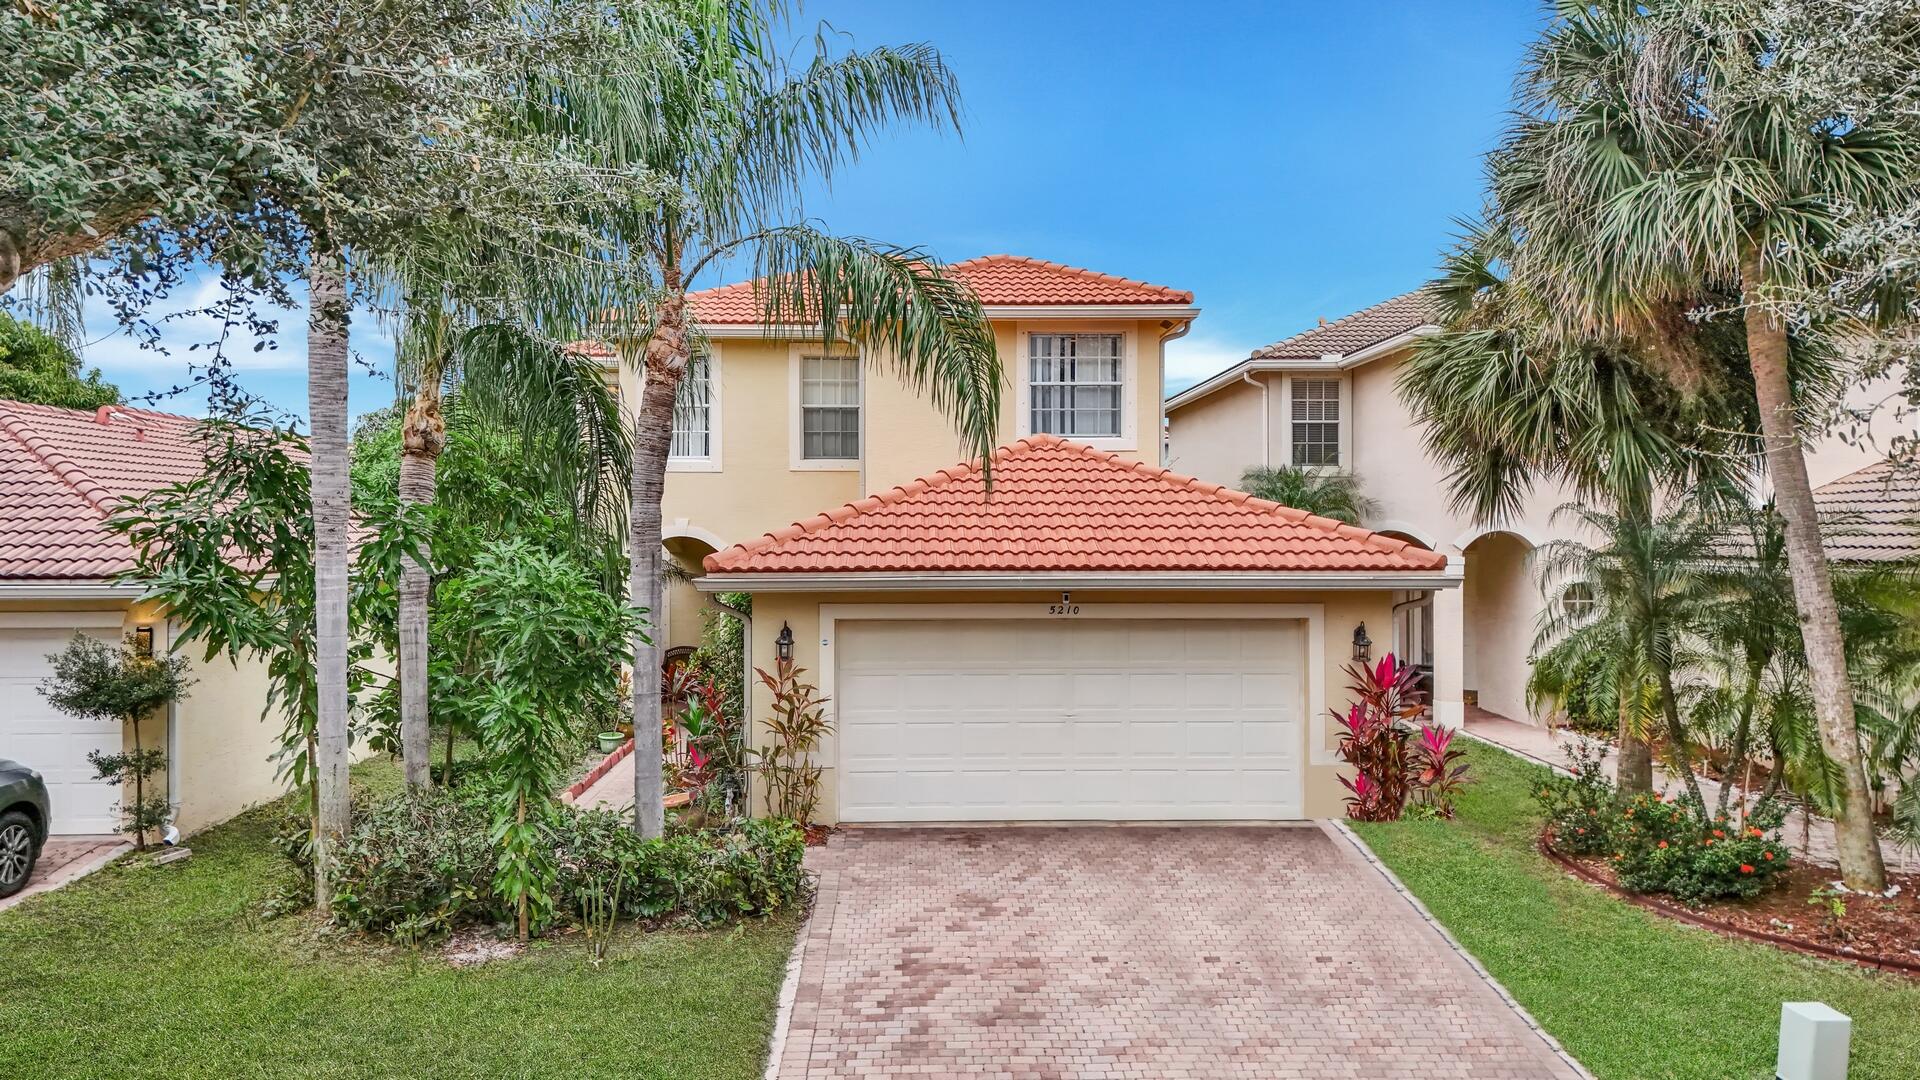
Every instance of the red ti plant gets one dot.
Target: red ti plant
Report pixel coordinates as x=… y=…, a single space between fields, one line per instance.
x=1439 y=774
x=1374 y=737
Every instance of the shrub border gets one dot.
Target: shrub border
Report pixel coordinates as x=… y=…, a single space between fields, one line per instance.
x=605 y=765
x=1673 y=911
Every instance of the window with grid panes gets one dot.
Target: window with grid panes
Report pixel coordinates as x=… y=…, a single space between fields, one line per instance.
x=1074 y=385
x=830 y=408
x=693 y=412
x=1316 y=421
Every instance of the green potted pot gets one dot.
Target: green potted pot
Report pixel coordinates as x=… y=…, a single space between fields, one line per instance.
x=611 y=741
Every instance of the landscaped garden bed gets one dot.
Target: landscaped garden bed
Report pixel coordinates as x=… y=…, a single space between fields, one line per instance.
x=1802 y=910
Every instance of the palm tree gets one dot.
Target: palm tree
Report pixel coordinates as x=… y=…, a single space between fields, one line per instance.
x=1335 y=495
x=1505 y=403
x=731 y=134
x=1641 y=607
x=332 y=497
x=554 y=402
x=1648 y=181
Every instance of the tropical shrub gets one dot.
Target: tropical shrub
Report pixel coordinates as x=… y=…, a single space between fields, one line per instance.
x=798 y=724
x=1671 y=846
x=707 y=876
x=1438 y=770
x=415 y=866
x=1373 y=739
x=1581 y=809
x=123 y=684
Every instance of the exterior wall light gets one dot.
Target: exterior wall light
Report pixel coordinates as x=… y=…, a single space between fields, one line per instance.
x=1362 y=645
x=783 y=645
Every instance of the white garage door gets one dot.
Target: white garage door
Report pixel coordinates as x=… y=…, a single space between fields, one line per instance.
x=1070 y=719
x=40 y=736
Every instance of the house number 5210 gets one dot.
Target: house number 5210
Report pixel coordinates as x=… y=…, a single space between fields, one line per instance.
x=1065 y=607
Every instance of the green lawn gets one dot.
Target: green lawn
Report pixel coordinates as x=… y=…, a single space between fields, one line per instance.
x=1628 y=993
x=171 y=972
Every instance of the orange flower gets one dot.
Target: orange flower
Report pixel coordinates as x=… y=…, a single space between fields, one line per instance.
x=1767 y=855
x=1746 y=869
x=1719 y=834
x=1663 y=844
x=1709 y=843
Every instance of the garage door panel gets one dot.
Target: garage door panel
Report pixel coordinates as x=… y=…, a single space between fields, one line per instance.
x=1090 y=719
x=40 y=736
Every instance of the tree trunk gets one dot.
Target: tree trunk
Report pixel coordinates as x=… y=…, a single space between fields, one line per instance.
x=1677 y=734
x=1633 y=763
x=666 y=362
x=1854 y=838
x=139 y=791
x=1743 y=735
x=327 y=416
x=423 y=437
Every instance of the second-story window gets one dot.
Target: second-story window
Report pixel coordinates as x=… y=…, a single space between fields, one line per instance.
x=1074 y=384
x=830 y=408
x=693 y=412
x=1316 y=421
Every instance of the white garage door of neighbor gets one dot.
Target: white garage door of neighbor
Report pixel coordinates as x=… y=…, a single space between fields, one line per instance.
x=1070 y=719
x=36 y=734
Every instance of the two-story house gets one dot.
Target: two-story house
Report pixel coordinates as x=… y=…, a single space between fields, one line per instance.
x=1326 y=398
x=1085 y=634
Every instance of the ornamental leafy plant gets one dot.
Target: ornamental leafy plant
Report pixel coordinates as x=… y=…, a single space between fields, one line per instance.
x=798 y=723
x=547 y=642
x=124 y=683
x=1373 y=738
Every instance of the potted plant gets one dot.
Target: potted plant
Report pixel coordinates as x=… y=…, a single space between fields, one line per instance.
x=611 y=741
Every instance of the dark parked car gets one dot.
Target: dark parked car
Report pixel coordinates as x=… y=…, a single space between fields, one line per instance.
x=23 y=824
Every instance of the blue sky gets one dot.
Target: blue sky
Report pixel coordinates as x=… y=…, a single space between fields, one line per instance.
x=1284 y=161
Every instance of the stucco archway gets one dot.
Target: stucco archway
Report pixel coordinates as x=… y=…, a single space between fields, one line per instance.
x=1500 y=611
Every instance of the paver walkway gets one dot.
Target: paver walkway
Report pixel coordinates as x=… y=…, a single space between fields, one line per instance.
x=65 y=858
x=1810 y=840
x=1112 y=951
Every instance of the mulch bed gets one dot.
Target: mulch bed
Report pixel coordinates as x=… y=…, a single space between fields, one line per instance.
x=817 y=834
x=1876 y=932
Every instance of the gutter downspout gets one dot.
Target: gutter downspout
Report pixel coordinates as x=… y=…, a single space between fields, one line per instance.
x=1173 y=334
x=1266 y=418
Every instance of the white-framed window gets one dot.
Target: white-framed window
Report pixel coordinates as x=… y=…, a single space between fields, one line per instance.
x=694 y=429
x=829 y=408
x=1315 y=422
x=1578 y=602
x=1076 y=385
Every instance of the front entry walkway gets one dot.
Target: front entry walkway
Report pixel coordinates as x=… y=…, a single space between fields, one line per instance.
x=1114 y=951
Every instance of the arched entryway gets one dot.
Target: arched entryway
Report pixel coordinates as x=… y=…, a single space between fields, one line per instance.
x=1500 y=613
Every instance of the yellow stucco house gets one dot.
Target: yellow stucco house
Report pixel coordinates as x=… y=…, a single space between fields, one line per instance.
x=1100 y=639
x=60 y=472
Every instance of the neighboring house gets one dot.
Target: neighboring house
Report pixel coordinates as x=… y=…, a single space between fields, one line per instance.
x=1872 y=515
x=1326 y=399
x=61 y=471
x=1098 y=638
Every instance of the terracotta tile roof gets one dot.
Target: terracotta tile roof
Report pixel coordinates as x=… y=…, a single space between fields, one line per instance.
x=1063 y=506
x=999 y=280
x=61 y=471
x=1872 y=515
x=1351 y=333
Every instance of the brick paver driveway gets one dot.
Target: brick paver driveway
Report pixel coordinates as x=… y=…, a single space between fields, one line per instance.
x=1134 y=952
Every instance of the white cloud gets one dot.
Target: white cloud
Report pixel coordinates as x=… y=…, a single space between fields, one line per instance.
x=187 y=319
x=1196 y=356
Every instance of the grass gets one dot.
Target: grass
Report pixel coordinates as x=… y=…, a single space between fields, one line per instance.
x=171 y=972
x=1630 y=994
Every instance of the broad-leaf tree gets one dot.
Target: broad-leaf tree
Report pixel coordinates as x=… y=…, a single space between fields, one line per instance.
x=1644 y=188
x=731 y=133
x=36 y=366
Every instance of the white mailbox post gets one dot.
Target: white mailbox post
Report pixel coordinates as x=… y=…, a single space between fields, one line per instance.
x=1814 y=1041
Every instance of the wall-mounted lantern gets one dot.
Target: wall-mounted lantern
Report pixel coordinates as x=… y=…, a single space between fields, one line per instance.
x=783 y=645
x=1362 y=645
x=143 y=640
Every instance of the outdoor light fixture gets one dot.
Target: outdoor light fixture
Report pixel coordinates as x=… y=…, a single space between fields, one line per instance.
x=143 y=640
x=1362 y=645
x=783 y=645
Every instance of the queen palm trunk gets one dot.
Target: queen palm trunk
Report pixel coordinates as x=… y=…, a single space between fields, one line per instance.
x=1857 y=844
x=327 y=411
x=665 y=364
x=423 y=437
x=1633 y=765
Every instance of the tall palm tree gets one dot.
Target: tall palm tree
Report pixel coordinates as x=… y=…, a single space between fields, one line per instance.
x=1506 y=402
x=732 y=134
x=331 y=492
x=1335 y=495
x=1647 y=181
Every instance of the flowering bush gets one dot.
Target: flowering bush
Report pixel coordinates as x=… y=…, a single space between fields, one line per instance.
x=1673 y=847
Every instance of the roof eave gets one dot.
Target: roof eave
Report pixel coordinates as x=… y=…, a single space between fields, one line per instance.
x=1327 y=362
x=1446 y=577
x=800 y=331
x=75 y=589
